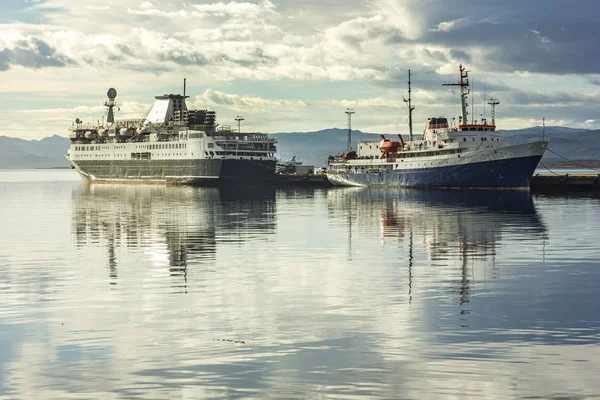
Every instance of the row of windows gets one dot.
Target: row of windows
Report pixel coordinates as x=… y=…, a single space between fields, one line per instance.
x=100 y=155
x=239 y=153
x=163 y=146
x=148 y=155
x=423 y=154
x=113 y=156
x=97 y=148
x=477 y=129
x=483 y=139
x=370 y=169
x=158 y=146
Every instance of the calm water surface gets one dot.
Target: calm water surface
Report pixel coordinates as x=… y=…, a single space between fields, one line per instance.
x=176 y=292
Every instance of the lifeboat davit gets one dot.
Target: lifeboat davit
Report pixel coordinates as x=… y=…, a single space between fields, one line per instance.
x=91 y=135
x=127 y=131
x=388 y=146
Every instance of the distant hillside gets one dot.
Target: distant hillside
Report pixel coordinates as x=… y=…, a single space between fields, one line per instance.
x=310 y=147
x=536 y=131
x=313 y=148
x=46 y=153
x=573 y=144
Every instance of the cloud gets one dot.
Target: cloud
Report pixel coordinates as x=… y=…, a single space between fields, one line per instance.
x=594 y=80
x=448 y=26
x=213 y=98
x=322 y=54
x=31 y=52
x=496 y=37
x=4 y=59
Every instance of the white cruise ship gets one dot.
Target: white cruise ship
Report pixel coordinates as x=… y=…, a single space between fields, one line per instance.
x=170 y=144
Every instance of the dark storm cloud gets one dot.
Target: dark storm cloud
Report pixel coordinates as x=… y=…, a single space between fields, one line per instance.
x=556 y=37
x=594 y=80
x=460 y=55
x=526 y=97
x=32 y=53
x=4 y=59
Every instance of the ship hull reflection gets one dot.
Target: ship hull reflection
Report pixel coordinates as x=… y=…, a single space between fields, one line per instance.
x=175 y=225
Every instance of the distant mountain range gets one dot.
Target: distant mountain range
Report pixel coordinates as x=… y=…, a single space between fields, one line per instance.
x=46 y=153
x=312 y=148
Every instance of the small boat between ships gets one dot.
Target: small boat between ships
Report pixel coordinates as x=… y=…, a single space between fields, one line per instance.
x=469 y=154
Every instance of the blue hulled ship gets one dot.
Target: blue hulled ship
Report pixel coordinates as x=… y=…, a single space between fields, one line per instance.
x=467 y=154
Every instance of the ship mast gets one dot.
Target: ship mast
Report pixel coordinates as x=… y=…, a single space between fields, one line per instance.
x=349 y=112
x=464 y=92
x=494 y=103
x=239 y=119
x=410 y=107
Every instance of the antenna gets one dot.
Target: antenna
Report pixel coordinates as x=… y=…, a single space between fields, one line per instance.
x=464 y=94
x=239 y=119
x=484 y=100
x=349 y=112
x=410 y=108
x=473 y=103
x=493 y=103
x=544 y=128
x=184 y=79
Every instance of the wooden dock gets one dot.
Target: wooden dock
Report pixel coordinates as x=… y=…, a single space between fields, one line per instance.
x=565 y=182
x=318 y=181
x=539 y=182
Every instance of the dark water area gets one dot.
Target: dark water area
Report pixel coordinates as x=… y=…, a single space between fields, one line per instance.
x=135 y=291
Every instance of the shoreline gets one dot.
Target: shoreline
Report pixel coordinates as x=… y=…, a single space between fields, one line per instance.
x=574 y=164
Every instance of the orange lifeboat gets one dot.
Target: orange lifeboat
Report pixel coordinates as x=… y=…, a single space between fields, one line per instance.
x=388 y=146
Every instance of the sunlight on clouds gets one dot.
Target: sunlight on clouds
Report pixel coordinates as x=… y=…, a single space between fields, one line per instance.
x=361 y=48
x=403 y=16
x=447 y=26
x=215 y=98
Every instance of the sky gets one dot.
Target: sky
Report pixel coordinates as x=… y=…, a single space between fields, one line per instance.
x=296 y=66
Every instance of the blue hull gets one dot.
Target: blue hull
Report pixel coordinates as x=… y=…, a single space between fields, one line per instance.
x=514 y=172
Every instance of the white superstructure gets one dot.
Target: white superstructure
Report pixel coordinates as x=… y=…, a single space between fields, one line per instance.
x=169 y=143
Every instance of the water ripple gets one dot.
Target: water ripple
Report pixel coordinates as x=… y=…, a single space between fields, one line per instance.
x=161 y=292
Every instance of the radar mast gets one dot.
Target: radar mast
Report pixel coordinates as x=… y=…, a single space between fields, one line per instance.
x=464 y=93
x=110 y=103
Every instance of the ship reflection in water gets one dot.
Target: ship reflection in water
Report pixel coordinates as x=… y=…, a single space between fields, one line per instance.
x=169 y=292
x=458 y=231
x=176 y=225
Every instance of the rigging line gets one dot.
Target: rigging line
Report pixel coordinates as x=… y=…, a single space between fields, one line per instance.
x=544 y=165
x=571 y=161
